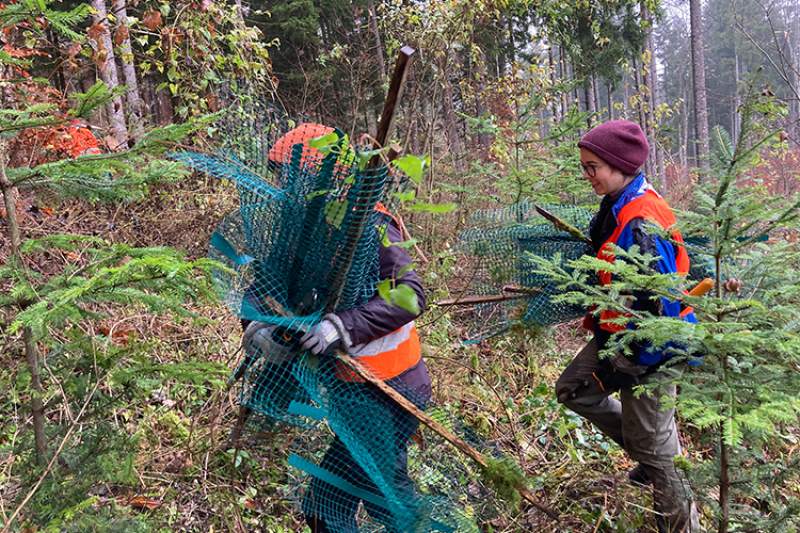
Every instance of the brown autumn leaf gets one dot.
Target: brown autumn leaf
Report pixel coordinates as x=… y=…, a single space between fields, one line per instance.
x=95 y=31
x=75 y=258
x=152 y=20
x=100 y=56
x=122 y=35
x=73 y=50
x=144 y=502
x=250 y=504
x=112 y=144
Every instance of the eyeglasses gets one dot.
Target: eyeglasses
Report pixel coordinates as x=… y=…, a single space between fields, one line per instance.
x=591 y=170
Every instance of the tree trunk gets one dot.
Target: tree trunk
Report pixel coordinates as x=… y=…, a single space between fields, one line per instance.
x=373 y=24
x=133 y=102
x=512 y=45
x=651 y=99
x=610 y=98
x=481 y=110
x=596 y=95
x=107 y=67
x=699 y=85
x=453 y=135
x=564 y=76
x=641 y=90
x=724 y=484
x=37 y=394
x=9 y=193
x=588 y=96
x=683 y=141
x=553 y=81
x=736 y=118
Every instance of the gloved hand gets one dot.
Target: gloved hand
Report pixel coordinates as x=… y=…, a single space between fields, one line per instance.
x=259 y=340
x=322 y=339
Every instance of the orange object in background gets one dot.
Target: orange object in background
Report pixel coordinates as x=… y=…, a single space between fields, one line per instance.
x=82 y=140
x=280 y=152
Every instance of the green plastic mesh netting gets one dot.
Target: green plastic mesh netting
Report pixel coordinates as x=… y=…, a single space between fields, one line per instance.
x=291 y=253
x=500 y=245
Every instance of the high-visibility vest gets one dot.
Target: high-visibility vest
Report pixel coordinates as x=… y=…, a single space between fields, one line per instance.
x=649 y=206
x=386 y=357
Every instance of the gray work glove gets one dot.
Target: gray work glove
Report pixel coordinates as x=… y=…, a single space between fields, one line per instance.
x=259 y=341
x=321 y=339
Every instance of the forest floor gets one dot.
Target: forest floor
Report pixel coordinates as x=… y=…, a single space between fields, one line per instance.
x=189 y=480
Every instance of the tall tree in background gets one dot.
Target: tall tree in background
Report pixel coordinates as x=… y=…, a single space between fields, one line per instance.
x=100 y=37
x=699 y=87
x=673 y=40
x=133 y=104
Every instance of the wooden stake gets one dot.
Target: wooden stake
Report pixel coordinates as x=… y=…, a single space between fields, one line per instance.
x=489 y=298
x=364 y=373
x=562 y=224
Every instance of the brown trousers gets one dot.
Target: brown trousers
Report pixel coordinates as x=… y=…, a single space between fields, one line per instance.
x=640 y=425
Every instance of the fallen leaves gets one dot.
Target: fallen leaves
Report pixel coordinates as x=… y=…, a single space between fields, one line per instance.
x=120 y=335
x=144 y=502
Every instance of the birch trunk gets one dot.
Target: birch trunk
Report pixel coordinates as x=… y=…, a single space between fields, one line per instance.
x=107 y=67
x=133 y=103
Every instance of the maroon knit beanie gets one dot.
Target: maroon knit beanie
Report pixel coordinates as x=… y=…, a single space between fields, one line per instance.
x=619 y=143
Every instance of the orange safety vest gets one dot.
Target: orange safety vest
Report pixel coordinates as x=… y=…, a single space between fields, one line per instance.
x=386 y=357
x=649 y=206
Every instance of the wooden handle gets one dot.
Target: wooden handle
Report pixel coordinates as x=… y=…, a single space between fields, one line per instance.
x=490 y=298
x=364 y=373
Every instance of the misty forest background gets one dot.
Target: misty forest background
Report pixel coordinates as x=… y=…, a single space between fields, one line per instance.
x=115 y=350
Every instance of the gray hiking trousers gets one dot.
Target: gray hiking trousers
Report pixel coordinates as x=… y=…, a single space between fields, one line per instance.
x=640 y=425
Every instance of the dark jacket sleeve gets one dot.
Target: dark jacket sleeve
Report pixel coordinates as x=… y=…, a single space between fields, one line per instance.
x=378 y=317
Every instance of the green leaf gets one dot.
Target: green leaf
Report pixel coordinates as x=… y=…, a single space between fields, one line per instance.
x=384 y=290
x=433 y=208
x=412 y=166
x=364 y=157
x=335 y=212
x=406 y=245
x=405 y=298
x=325 y=143
x=405 y=196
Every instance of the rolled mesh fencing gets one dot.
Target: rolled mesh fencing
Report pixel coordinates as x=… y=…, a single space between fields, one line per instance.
x=500 y=246
x=358 y=461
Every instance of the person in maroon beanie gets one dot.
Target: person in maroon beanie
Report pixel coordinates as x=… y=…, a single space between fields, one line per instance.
x=611 y=155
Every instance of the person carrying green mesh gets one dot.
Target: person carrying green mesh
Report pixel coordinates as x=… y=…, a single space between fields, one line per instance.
x=611 y=155
x=384 y=338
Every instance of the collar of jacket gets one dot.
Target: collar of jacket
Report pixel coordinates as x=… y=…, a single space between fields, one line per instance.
x=632 y=191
